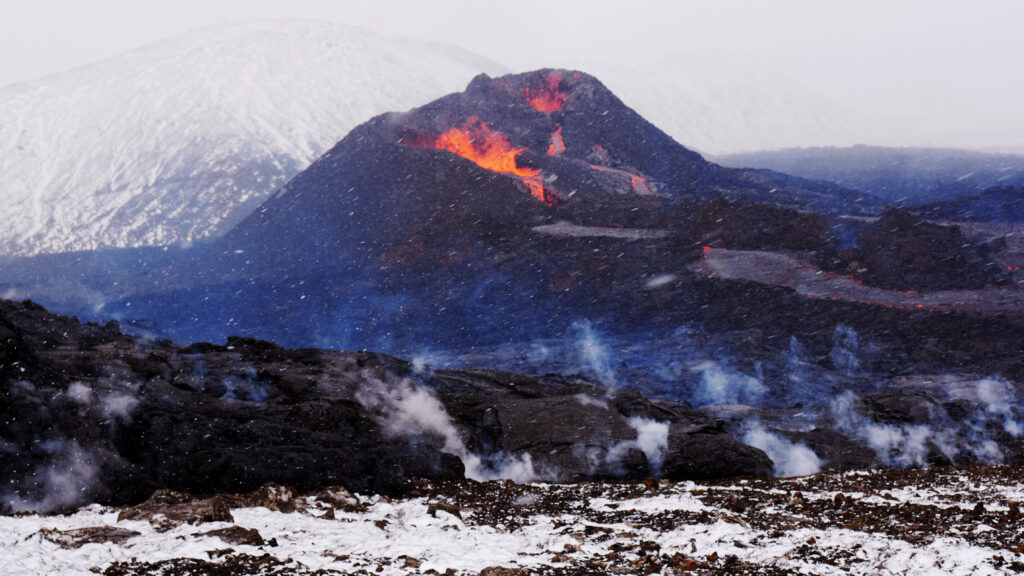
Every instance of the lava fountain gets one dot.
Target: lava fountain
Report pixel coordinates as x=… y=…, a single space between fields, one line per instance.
x=491 y=150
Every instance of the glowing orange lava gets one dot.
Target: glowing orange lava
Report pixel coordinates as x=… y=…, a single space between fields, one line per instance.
x=557 y=144
x=638 y=183
x=548 y=99
x=490 y=149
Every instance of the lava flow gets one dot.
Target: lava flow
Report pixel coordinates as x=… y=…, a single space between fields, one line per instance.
x=490 y=149
x=549 y=98
x=557 y=146
x=638 y=183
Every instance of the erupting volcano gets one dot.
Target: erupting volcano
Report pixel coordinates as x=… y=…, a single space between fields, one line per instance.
x=394 y=240
x=652 y=270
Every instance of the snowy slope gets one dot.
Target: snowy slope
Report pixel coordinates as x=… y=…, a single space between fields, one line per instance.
x=717 y=105
x=953 y=521
x=179 y=140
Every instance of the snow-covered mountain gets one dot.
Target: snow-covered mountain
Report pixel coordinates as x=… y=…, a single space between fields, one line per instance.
x=718 y=105
x=179 y=140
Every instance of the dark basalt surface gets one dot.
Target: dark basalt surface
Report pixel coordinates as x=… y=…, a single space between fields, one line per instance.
x=89 y=414
x=903 y=252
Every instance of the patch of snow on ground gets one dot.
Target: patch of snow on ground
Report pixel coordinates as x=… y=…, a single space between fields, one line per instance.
x=579 y=527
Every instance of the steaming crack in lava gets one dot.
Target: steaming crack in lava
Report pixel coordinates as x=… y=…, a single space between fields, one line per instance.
x=548 y=98
x=786 y=270
x=491 y=150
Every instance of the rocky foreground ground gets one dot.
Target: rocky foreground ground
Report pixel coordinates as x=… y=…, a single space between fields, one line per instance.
x=931 y=521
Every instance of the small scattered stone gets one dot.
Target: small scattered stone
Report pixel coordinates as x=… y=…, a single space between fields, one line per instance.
x=340 y=498
x=503 y=571
x=168 y=509
x=221 y=552
x=79 y=537
x=237 y=535
x=436 y=507
x=276 y=497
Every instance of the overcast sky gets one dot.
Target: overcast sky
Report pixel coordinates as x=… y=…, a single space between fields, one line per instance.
x=924 y=66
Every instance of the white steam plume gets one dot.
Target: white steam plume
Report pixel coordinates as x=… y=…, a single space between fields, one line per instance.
x=845 y=349
x=80 y=393
x=594 y=355
x=900 y=446
x=788 y=458
x=651 y=439
x=65 y=481
x=719 y=385
x=118 y=406
x=998 y=398
x=411 y=411
x=910 y=444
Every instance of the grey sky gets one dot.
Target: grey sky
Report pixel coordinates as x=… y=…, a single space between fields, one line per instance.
x=916 y=71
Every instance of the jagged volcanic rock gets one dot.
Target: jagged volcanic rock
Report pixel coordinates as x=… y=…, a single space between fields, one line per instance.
x=902 y=252
x=721 y=223
x=100 y=416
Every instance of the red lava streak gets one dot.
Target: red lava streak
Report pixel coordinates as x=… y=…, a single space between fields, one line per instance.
x=557 y=144
x=490 y=149
x=549 y=98
x=638 y=183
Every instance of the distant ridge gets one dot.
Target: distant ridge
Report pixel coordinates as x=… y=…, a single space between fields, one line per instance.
x=899 y=175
